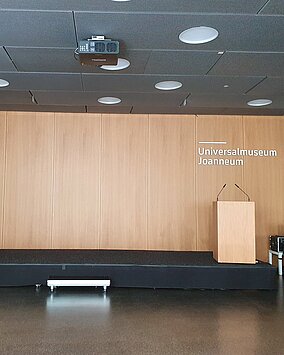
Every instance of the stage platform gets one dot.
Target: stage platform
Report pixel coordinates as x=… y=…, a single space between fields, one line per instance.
x=127 y=268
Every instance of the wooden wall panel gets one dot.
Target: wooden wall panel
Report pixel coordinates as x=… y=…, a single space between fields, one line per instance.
x=123 y=181
x=210 y=179
x=264 y=177
x=28 y=180
x=76 y=181
x=171 y=190
x=2 y=170
x=131 y=181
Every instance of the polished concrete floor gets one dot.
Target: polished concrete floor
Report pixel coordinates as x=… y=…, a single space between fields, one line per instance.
x=133 y=321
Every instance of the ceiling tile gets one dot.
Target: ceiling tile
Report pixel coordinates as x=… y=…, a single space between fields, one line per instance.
x=42 y=108
x=146 y=83
x=42 y=81
x=5 y=62
x=274 y=7
x=158 y=109
x=249 y=112
x=231 y=101
x=37 y=29
x=181 y=62
x=161 y=31
x=90 y=98
x=44 y=59
x=216 y=84
x=269 y=86
x=206 y=111
x=262 y=64
x=17 y=97
x=218 y=6
x=113 y=109
x=124 y=83
x=62 y=60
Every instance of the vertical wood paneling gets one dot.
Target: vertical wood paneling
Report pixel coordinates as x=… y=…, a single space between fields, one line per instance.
x=76 y=181
x=131 y=181
x=210 y=179
x=171 y=191
x=2 y=170
x=264 y=177
x=124 y=171
x=28 y=180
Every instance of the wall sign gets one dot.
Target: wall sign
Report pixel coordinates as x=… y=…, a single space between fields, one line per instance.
x=210 y=155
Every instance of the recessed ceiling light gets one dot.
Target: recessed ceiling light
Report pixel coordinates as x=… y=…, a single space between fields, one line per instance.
x=198 y=35
x=121 y=64
x=4 y=83
x=259 y=102
x=226 y=86
x=120 y=0
x=108 y=100
x=168 y=85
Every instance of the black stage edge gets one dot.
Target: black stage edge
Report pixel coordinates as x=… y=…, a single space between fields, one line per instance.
x=126 y=268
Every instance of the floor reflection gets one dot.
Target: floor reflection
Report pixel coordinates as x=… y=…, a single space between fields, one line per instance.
x=280 y=294
x=68 y=301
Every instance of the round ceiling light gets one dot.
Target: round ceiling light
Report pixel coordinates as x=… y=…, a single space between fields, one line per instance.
x=121 y=64
x=198 y=35
x=168 y=85
x=120 y=0
x=259 y=102
x=108 y=100
x=4 y=83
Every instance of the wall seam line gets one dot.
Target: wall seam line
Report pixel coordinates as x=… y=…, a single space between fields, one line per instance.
x=244 y=147
x=147 y=179
x=100 y=183
x=4 y=181
x=195 y=182
x=53 y=183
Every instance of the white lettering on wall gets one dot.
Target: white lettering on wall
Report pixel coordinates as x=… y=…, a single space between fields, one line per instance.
x=230 y=157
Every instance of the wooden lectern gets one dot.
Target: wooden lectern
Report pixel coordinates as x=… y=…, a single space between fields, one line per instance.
x=234 y=240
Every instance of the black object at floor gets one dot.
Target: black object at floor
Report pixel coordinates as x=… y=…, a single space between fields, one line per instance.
x=126 y=268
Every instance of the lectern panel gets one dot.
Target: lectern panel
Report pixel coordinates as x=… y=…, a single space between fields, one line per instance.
x=235 y=232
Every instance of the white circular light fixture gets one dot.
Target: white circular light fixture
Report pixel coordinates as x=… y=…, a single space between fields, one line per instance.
x=168 y=85
x=226 y=86
x=4 y=83
x=199 y=35
x=108 y=100
x=120 y=0
x=259 y=102
x=121 y=64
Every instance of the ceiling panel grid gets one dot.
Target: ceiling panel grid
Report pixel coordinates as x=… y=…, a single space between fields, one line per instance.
x=245 y=62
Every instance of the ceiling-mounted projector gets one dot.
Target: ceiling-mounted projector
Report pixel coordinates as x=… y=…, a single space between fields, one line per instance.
x=98 y=51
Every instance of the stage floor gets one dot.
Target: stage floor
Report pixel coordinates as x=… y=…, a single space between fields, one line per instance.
x=126 y=268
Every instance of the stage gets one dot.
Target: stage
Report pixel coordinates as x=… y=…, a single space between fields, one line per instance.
x=127 y=268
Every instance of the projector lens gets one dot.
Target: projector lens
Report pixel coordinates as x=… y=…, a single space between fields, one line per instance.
x=100 y=47
x=111 y=47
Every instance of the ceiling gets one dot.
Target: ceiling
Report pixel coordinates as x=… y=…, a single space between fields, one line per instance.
x=38 y=39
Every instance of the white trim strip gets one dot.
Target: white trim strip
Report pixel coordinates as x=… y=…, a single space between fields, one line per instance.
x=212 y=142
